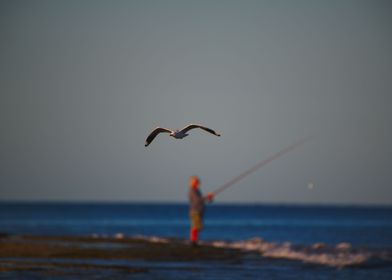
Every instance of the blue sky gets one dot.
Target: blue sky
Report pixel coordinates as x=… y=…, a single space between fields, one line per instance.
x=82 y=83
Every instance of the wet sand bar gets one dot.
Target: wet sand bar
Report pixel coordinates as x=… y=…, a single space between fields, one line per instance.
x=52 y=255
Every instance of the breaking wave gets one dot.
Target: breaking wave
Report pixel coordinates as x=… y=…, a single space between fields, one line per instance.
x=340 y=255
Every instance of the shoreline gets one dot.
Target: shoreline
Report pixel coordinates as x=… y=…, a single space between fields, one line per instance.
x=79 y=254
x=120 y=256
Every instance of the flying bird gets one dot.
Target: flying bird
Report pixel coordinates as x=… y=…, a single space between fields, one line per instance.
x=178 y=134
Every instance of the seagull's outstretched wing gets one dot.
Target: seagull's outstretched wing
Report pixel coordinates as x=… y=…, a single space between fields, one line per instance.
x=192 y=126
x=154 y=134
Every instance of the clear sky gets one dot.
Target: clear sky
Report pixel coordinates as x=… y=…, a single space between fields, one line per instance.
x=82 y=83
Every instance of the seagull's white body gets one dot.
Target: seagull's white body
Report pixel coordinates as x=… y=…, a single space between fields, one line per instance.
x=177 y=134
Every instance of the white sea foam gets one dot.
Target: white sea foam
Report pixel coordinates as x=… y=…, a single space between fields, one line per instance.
x=340 y=255
x=119 y=235
x=152 y=239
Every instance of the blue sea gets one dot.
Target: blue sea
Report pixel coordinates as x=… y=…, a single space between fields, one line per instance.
x=288 y=237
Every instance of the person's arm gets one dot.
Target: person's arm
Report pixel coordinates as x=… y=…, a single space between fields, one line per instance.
x=209 y=197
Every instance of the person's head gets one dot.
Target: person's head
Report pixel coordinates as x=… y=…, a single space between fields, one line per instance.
x=194 y=182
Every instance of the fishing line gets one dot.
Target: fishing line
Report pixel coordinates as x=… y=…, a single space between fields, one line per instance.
x=259 y=165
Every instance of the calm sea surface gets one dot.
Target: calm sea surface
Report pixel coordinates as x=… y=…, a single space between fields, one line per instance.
x=368 y=229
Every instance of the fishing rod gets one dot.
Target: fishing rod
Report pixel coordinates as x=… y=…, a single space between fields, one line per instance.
x=258 y=166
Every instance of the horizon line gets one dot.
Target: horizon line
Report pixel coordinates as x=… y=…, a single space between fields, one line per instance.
x=163 y=202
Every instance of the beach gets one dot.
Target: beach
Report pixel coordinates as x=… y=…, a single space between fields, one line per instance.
x=69 y=256
x=150 y=241
x=120 y=257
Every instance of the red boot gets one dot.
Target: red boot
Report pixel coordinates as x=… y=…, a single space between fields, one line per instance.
x=194 y=236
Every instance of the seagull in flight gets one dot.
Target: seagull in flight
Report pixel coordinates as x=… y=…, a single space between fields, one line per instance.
x=178 y=134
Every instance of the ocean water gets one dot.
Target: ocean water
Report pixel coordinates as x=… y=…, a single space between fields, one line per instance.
x=294 y=242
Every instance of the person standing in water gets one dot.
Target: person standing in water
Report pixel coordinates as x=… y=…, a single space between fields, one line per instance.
x=196 y=208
